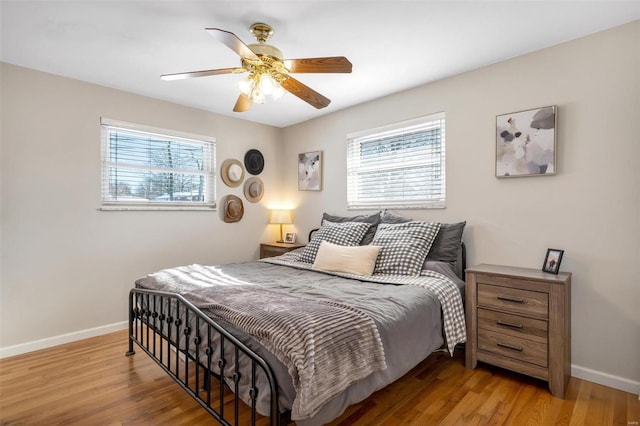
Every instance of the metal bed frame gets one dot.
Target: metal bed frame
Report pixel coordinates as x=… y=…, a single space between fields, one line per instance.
x=157 y=320
x=168 y=328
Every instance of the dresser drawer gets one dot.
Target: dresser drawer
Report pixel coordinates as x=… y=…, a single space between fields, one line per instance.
x=514 y=300
x=513 y=325
x=276 y=249
x=272 y=251
x=513 y=347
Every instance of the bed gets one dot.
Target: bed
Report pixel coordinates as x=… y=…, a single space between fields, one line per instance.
x=288 y=339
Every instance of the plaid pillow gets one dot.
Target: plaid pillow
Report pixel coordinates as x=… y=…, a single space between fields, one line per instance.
x=373 y=219
x=344 y=234
x=404 y=246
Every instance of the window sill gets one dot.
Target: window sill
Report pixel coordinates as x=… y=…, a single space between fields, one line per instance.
x=157 y=208
x=397 y=207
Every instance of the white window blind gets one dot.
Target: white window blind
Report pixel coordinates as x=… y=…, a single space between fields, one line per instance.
x=148 y=168
x=401 y=165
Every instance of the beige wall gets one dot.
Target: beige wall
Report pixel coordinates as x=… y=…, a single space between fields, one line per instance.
x=591 y=208
x=68 y=267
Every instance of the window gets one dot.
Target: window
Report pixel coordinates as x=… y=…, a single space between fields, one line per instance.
x=147 y=168
x=401 y=165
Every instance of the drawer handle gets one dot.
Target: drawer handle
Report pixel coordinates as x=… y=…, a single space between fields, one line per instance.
x=513 y=348
x=509 y=324
x=511 y=299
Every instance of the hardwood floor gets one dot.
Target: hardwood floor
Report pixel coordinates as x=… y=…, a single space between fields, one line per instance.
x=91 y=382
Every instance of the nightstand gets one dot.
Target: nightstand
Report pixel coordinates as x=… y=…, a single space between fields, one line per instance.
x=520 y=319
x=276 y=249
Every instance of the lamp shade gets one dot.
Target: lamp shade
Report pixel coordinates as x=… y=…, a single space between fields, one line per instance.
x=280 y=216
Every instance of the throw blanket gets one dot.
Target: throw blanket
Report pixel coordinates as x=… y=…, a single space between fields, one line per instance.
x=445 y=290
x=310 y=337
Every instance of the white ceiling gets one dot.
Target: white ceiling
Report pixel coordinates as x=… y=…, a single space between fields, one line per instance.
x=393 y=45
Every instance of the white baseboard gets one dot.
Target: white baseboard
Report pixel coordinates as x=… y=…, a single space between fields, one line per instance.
x=605 y=379
x=36 y=345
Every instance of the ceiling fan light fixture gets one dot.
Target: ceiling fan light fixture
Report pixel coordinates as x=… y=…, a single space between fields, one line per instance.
x=257 y=96
x=258 y=85
x=245 y=86
x=268 y=84
x=278 y=93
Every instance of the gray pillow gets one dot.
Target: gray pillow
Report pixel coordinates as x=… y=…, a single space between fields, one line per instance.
x=404 y=247
x=344 y=234
x=373 y=219
x=388 y=217
x=447 y=243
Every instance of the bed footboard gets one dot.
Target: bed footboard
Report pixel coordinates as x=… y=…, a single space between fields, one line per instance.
x=198 y=354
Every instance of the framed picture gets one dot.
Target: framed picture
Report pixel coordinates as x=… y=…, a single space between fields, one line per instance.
x=310 y=171
x=289 y=237
x=526 y=143
x=552 y=261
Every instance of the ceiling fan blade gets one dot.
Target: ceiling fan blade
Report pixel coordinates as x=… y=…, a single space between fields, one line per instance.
x=337 y=64
x=305 y=93
x=243 y=103
x=193 y=74
x=232 y=41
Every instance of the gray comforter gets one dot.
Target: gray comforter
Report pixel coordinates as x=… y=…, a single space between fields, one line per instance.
x=408 y=319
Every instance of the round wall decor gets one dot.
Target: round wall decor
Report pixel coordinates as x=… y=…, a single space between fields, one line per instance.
x=254 y=162
x=253 y=189
x=232 y=172
x=233 y=208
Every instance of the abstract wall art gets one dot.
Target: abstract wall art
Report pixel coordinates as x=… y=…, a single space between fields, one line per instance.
x=526 y=143
x=310 y=171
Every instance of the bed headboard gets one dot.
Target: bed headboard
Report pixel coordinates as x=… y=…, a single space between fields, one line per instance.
x=461 y=261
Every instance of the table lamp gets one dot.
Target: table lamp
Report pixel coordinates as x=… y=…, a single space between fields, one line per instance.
x=280 y=217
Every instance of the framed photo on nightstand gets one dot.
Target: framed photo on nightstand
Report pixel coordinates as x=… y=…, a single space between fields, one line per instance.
x=552 y=261
x=289 y=237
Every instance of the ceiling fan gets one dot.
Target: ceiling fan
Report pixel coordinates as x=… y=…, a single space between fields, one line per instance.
x=269 y=73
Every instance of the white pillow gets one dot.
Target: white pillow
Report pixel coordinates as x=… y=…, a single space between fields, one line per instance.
x=345 y=234
x=359 y=260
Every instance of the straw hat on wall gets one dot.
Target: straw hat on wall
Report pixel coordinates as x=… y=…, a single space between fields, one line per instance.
x=233 y=208
x=253 y=189
x=232 y=172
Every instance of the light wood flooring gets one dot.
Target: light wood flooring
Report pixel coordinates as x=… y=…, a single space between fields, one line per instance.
x=91 y=382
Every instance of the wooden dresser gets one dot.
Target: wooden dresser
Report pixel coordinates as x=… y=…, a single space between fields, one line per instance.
x=520 y=319
x=276 y=249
